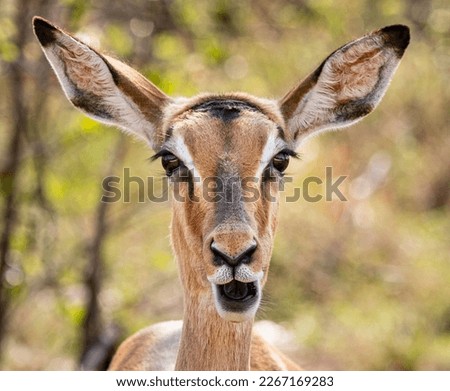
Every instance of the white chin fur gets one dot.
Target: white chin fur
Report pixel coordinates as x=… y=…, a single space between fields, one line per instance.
x=236 y=316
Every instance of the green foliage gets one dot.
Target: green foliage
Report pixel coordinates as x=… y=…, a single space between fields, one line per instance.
x=119 y=40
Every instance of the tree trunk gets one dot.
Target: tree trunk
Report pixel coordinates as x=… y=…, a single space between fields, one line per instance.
x=10 y=172
x=98 y=341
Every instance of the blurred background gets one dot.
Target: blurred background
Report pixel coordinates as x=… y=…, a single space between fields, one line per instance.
x=361 y=285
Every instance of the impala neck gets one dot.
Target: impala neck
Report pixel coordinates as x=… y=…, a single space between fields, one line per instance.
x=208 y=342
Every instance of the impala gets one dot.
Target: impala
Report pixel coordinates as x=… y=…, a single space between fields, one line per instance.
x=222 y=247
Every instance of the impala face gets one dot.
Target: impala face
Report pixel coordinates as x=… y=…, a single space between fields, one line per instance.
x=227 y=155
x=225 y=146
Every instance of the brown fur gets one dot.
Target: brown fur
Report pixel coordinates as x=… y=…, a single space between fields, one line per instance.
x=236 y=143
x=137 y=353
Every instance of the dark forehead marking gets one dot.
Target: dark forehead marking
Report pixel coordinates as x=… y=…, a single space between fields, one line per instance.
x=225 y=109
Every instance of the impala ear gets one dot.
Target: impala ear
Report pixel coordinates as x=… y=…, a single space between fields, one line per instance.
x=347 y=86
x=102 y=87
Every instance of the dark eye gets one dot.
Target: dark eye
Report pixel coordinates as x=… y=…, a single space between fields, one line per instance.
x=170 y=163
x=280 y=161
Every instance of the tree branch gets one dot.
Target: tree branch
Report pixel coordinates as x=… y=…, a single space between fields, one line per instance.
x=98 y=341
x=10 y=172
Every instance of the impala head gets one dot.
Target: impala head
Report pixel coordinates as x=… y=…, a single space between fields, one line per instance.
x=229 y=152
x=226 y=153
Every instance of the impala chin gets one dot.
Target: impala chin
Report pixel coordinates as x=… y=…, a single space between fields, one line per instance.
x=237 y=301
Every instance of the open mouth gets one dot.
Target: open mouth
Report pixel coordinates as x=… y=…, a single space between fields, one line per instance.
x=237 y=301
x=238 y=291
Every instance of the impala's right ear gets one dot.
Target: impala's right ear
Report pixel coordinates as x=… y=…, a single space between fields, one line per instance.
x=102 y=87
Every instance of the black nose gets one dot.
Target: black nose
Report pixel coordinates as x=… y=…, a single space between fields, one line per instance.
x=221 y=257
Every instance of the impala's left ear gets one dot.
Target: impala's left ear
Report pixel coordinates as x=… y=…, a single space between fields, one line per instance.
x=348 y=85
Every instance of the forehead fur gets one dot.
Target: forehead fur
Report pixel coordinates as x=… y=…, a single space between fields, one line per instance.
x=225 y=132
x=266 y=106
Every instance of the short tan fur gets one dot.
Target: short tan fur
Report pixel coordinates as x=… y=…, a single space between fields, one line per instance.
x=236 y=144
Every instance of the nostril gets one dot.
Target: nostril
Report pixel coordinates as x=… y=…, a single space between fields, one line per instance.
x=250 y=249
x=221 y=257
x=246 y=255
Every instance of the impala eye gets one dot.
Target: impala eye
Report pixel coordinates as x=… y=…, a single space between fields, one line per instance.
x=280 y=161
x=170 y=163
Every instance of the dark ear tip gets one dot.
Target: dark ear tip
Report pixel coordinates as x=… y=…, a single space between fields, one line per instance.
x=44 y=31
x=397 y=36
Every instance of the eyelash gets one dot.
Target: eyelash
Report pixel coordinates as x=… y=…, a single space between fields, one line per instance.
x=280 y=161
x=177 y=163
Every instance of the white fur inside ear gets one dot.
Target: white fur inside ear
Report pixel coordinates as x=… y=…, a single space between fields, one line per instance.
x=82 y=72
x=360 y=70
x=78 y=67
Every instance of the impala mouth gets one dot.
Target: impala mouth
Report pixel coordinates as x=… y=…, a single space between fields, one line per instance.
x=237 y=301
x=238 y=291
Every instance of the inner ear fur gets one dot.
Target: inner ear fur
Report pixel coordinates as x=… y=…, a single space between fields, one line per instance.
x=102 y=87
x=348 y=84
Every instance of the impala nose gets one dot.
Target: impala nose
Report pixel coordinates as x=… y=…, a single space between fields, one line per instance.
x=221 y=256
